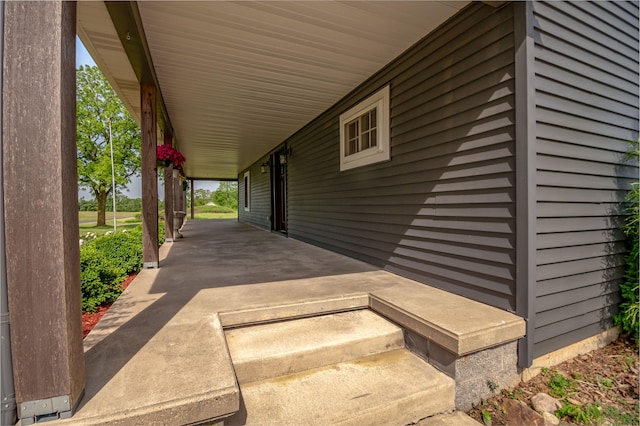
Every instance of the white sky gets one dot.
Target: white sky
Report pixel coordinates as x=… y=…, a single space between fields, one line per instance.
x=134 y=190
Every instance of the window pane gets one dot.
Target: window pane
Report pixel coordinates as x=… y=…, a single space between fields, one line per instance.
x=353 y=136
x=374 y=137
x=365 y=141
x=352 y=146
x=373 y=117
x=351 y=130
x=365 y=122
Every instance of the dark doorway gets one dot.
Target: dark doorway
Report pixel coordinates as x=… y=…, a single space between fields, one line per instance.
x=279 y=190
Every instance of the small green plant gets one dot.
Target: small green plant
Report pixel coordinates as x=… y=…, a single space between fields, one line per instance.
x=493 y=386
x=509 y=394
x=620 y=418
x=559 y=385
x=630 y=361
x=585 y=414
x=486 y=417
x=604 y=382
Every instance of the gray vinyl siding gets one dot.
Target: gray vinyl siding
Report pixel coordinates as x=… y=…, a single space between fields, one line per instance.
x=442 y=211
x=586 y=79
x=260 y=209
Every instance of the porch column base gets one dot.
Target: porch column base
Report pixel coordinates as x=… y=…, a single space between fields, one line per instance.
x=150 y=265
x=44 y=410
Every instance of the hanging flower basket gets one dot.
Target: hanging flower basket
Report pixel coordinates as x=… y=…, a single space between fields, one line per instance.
x=162 y=163
x=166 y=154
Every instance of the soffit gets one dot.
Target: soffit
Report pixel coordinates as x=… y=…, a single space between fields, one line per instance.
x=238 y=78
x=95 y=29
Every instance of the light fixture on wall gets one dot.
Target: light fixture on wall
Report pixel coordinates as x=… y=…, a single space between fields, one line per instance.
x=264 y=167
x=284 y=155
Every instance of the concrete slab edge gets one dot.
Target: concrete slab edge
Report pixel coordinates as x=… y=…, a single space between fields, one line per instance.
x=226 y=402
x=442 y=337
x=455 y=343
x=492 y=336
x=270 y=313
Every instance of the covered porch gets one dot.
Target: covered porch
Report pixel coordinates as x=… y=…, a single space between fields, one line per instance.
x=159 y=356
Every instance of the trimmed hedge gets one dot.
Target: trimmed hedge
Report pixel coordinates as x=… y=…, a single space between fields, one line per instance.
x=123 y=249
x=105 y=263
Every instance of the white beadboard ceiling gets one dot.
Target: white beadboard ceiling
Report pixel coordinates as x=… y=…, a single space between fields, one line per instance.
x=238 y=78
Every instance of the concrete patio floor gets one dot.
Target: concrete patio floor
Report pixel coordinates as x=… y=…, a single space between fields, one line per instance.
x=159 y=354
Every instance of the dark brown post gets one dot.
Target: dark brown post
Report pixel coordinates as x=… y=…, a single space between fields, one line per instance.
x=177 y=206
x=192 y=199
x=41 y=207
x=150 y=251
x=168 y=194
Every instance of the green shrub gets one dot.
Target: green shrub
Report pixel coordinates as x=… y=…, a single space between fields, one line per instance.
x=105 y=262
x=100 y=278
x=160 y=233
x=123 y=249
x=629 y=315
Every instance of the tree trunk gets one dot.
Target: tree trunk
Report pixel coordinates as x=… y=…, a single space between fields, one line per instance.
x=101 y=197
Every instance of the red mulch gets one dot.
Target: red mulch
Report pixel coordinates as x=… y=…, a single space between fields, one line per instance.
x=89 y=320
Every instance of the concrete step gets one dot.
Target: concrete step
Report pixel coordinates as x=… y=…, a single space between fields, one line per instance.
x=392 y=388
x=272 y=350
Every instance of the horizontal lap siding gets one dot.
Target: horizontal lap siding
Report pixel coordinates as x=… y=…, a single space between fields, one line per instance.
x=442 y=211
x=586 y=79
x=260 y=207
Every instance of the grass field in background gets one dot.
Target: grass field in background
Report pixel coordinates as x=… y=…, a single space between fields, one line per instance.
x=213 y=212
x=92 y=216
x=124 y=220
x=128 y=220
x=197 y=215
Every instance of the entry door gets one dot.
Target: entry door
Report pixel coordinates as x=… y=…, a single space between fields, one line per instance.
x=279 y=187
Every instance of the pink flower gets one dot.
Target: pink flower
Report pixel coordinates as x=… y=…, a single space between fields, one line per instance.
x=168 y=153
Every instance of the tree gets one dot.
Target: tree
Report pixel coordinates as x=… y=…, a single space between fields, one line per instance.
x=201 y=197
x=227 y=195
x=102 y=117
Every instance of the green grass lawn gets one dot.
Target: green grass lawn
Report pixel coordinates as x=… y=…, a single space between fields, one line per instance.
x=127 y=220
x=213 y=212
x=197 y=215
x=124 y=220
x=92 y=216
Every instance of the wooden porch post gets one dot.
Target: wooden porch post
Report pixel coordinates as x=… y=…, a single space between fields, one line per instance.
x=183 y=193
x=175 y=193
x=192 y=199
x=168 y=194
x=148 y=128
x=41 y=207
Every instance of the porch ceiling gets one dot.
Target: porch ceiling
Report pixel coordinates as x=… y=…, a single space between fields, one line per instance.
x=238 y=78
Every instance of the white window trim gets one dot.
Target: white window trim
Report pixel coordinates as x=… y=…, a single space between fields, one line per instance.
x=380 y=152
x=246 y=195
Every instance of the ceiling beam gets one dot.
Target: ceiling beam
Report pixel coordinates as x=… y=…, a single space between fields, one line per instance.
x=128 y=24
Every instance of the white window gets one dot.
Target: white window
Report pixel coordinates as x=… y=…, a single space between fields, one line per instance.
x=364 y=132
x=247 y=191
